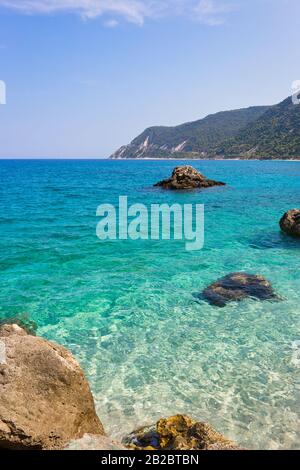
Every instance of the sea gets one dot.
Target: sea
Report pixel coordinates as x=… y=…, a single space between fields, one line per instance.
x=131 y=310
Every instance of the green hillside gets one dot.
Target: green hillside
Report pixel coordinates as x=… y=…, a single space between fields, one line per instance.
x=275 y=135
x=262 y=132
x=194 y=139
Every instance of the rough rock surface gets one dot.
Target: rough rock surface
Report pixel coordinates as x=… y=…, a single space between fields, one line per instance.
x=92 y=442
x=178 y=433
x=186 y=177
x=290 y=223
x=23 y=321
x=45 y=400
x=238 y=286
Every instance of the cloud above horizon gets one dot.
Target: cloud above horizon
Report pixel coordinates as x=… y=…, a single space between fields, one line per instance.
x=210 y=12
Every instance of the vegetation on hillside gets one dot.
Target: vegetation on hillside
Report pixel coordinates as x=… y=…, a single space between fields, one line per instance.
x=276 y=134
x=257 y=132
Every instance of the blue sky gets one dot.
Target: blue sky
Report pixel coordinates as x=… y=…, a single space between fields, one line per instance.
x=86 y=76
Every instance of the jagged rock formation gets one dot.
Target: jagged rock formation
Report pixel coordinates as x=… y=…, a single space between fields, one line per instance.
x=290 y=223
x=178 y=433
x=186 y=177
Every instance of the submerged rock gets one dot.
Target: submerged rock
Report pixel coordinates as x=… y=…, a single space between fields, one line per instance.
x=45 y=400
x=290 y=223
x=186 y=177
x=178 y=433
x=238 y=286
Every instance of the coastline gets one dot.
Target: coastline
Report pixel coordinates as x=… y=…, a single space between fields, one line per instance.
x=210 y=159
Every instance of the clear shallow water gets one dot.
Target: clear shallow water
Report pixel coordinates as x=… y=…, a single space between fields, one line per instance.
x=127 y=309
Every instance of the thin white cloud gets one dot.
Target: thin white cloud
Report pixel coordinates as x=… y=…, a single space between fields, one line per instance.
x=111 y=23
x=211 y=12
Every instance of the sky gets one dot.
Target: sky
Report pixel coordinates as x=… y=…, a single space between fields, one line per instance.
x=84 y=77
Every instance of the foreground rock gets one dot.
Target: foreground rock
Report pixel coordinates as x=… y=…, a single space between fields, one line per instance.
x=186 y=177
x=91 y=442
x=45 y=400
x=238 y=286
x=290 y=223
x=178 y=433
x=23 y=321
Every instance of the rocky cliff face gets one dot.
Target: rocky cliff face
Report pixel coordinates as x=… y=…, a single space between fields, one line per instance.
x=149 y=149
x=191 y=140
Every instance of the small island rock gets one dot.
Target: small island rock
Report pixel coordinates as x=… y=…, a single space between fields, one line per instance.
x=238 y=286
x=45 y=400
x=186 y=177
x=290 y=223
x=178 y=433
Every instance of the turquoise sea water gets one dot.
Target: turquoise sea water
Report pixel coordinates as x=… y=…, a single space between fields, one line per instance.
x=127 y=309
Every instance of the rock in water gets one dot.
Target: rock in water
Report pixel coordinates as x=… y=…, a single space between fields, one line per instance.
x=45 y=400
x=178 y=433
x=290 y=223
x=186 y=177
x=23 y=321
x=238 y=286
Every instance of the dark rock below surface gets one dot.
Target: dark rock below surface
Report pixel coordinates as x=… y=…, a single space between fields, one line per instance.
x=238 y=286
x=178 y=433
x=45 y=400
x=290 y=223
x=186 y=177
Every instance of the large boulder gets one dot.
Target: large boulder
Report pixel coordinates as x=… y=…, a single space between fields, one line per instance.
x=290 y=223
x=186 y=177
x=178 y=433
x=45 y=400
x=238 y=286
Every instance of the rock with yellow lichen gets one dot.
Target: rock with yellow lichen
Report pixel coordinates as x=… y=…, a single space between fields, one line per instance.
x=178 y=433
